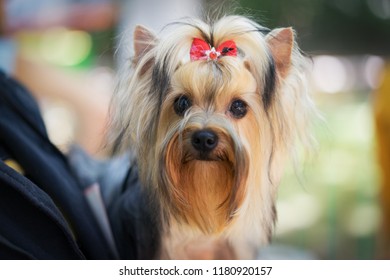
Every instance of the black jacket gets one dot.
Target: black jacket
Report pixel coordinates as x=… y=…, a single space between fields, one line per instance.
x=43 y=213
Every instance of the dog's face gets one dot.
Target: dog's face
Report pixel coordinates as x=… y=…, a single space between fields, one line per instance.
x=211 y=134
x=206 y=135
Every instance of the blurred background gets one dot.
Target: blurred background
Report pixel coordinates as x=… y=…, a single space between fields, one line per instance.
x=338 y=205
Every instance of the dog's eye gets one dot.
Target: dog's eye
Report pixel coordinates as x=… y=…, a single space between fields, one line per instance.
x=181 y=105
x=238 y=108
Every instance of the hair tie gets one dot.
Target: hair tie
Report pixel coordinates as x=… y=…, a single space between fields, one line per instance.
x=201 y=50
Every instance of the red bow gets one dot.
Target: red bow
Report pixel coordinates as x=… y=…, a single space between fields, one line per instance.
x=201 y=50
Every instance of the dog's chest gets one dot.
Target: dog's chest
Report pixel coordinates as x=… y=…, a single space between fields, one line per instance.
x=178 y=245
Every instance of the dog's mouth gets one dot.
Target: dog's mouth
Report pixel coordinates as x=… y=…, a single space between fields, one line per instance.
x=204 y=156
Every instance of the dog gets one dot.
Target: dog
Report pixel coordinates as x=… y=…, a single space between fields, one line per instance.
x=212 y=112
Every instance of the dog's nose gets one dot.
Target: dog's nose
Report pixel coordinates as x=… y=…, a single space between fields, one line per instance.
x=204 y=140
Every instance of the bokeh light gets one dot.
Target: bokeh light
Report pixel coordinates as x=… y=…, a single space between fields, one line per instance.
x=380 y=8
x=329 y=74
x=373 y=69
x=59 y=46
x=65 y=47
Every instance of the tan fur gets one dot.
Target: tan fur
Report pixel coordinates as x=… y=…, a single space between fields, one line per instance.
x=229 y=200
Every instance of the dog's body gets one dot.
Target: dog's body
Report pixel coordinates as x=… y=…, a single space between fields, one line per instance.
x=212 y=111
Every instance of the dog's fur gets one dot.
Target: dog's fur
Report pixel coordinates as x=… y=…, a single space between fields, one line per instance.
x=221 y=205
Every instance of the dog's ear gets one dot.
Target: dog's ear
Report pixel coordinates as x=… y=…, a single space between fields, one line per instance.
x=144 y=41
x=281 y=41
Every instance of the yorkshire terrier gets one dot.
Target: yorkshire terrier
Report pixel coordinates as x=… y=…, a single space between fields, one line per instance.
x=212 y=112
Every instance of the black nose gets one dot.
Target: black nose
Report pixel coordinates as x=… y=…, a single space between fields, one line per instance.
x=204 y=140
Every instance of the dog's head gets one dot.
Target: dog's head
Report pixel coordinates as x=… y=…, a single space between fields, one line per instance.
x=211 y=111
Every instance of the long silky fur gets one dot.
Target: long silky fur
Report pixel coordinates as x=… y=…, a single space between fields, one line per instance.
x=281 y=111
